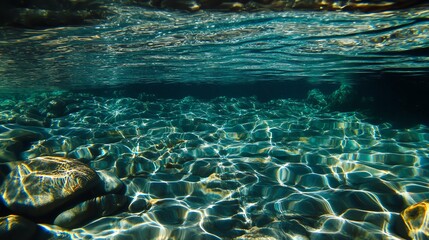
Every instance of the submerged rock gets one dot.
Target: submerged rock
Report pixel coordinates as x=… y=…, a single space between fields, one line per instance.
x=109 y=183
x=416 y=219
x=39 y=186
x=316 y=97
x=345 y=98
x=36 y=13
x=15 y=141
x=139 y=204
x=91 y=209
x=17 y=227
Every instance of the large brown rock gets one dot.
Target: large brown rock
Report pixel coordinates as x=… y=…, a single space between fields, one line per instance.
x=37 y=187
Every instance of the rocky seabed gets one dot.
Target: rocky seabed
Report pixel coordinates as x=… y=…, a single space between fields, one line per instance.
x=78 y=166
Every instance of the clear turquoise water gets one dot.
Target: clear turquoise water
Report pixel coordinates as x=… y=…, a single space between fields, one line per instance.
x=205 y=116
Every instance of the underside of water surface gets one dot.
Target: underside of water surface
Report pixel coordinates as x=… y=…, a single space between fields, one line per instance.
x=238 y=124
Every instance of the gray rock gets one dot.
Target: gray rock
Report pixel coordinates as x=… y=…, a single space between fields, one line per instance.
x=91 y=209
x=17 y=227
x=39 y=186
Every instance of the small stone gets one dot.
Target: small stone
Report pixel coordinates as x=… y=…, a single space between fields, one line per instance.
x=226 y=228
x=89 y=210
x=39 y=186
x=416 y=218
x=224 y=208
x=255 y=150
x=260 y=135
x=53 y=107
x=17 y=227
x=169 y=214
x=281 y=154
x=233 y=6
x=109 y=183
x=305 y=206
x=140 y=204
x=181 y=4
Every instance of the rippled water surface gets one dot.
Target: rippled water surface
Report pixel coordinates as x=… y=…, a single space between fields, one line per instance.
x=139 y=45
x=170 y=112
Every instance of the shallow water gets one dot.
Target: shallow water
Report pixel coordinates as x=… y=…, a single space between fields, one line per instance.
x=204 y=116
x=239 y=168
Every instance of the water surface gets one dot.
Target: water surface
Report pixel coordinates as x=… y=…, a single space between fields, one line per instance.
x=139 y=45
x=205 y=116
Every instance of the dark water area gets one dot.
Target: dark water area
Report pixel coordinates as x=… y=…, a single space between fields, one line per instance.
x=218 y=125
x=399 y=100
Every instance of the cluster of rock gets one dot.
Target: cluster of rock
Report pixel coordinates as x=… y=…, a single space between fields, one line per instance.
x=344 y=98
x=37 y=110
x=35 y=13
x=365 y=5
x=55 y=190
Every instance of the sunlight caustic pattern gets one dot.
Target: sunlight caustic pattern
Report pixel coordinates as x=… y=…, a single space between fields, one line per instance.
x=239 y=168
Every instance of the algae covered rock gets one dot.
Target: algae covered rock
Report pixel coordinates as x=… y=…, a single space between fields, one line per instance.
x=39 y=186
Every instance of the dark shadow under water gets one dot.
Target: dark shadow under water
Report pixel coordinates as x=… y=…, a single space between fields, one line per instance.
x=397 y=98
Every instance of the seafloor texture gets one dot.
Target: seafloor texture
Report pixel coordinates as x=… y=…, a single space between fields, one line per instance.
x=231 y=168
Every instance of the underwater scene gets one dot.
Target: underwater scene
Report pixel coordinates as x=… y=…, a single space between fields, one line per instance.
x=213 y=119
